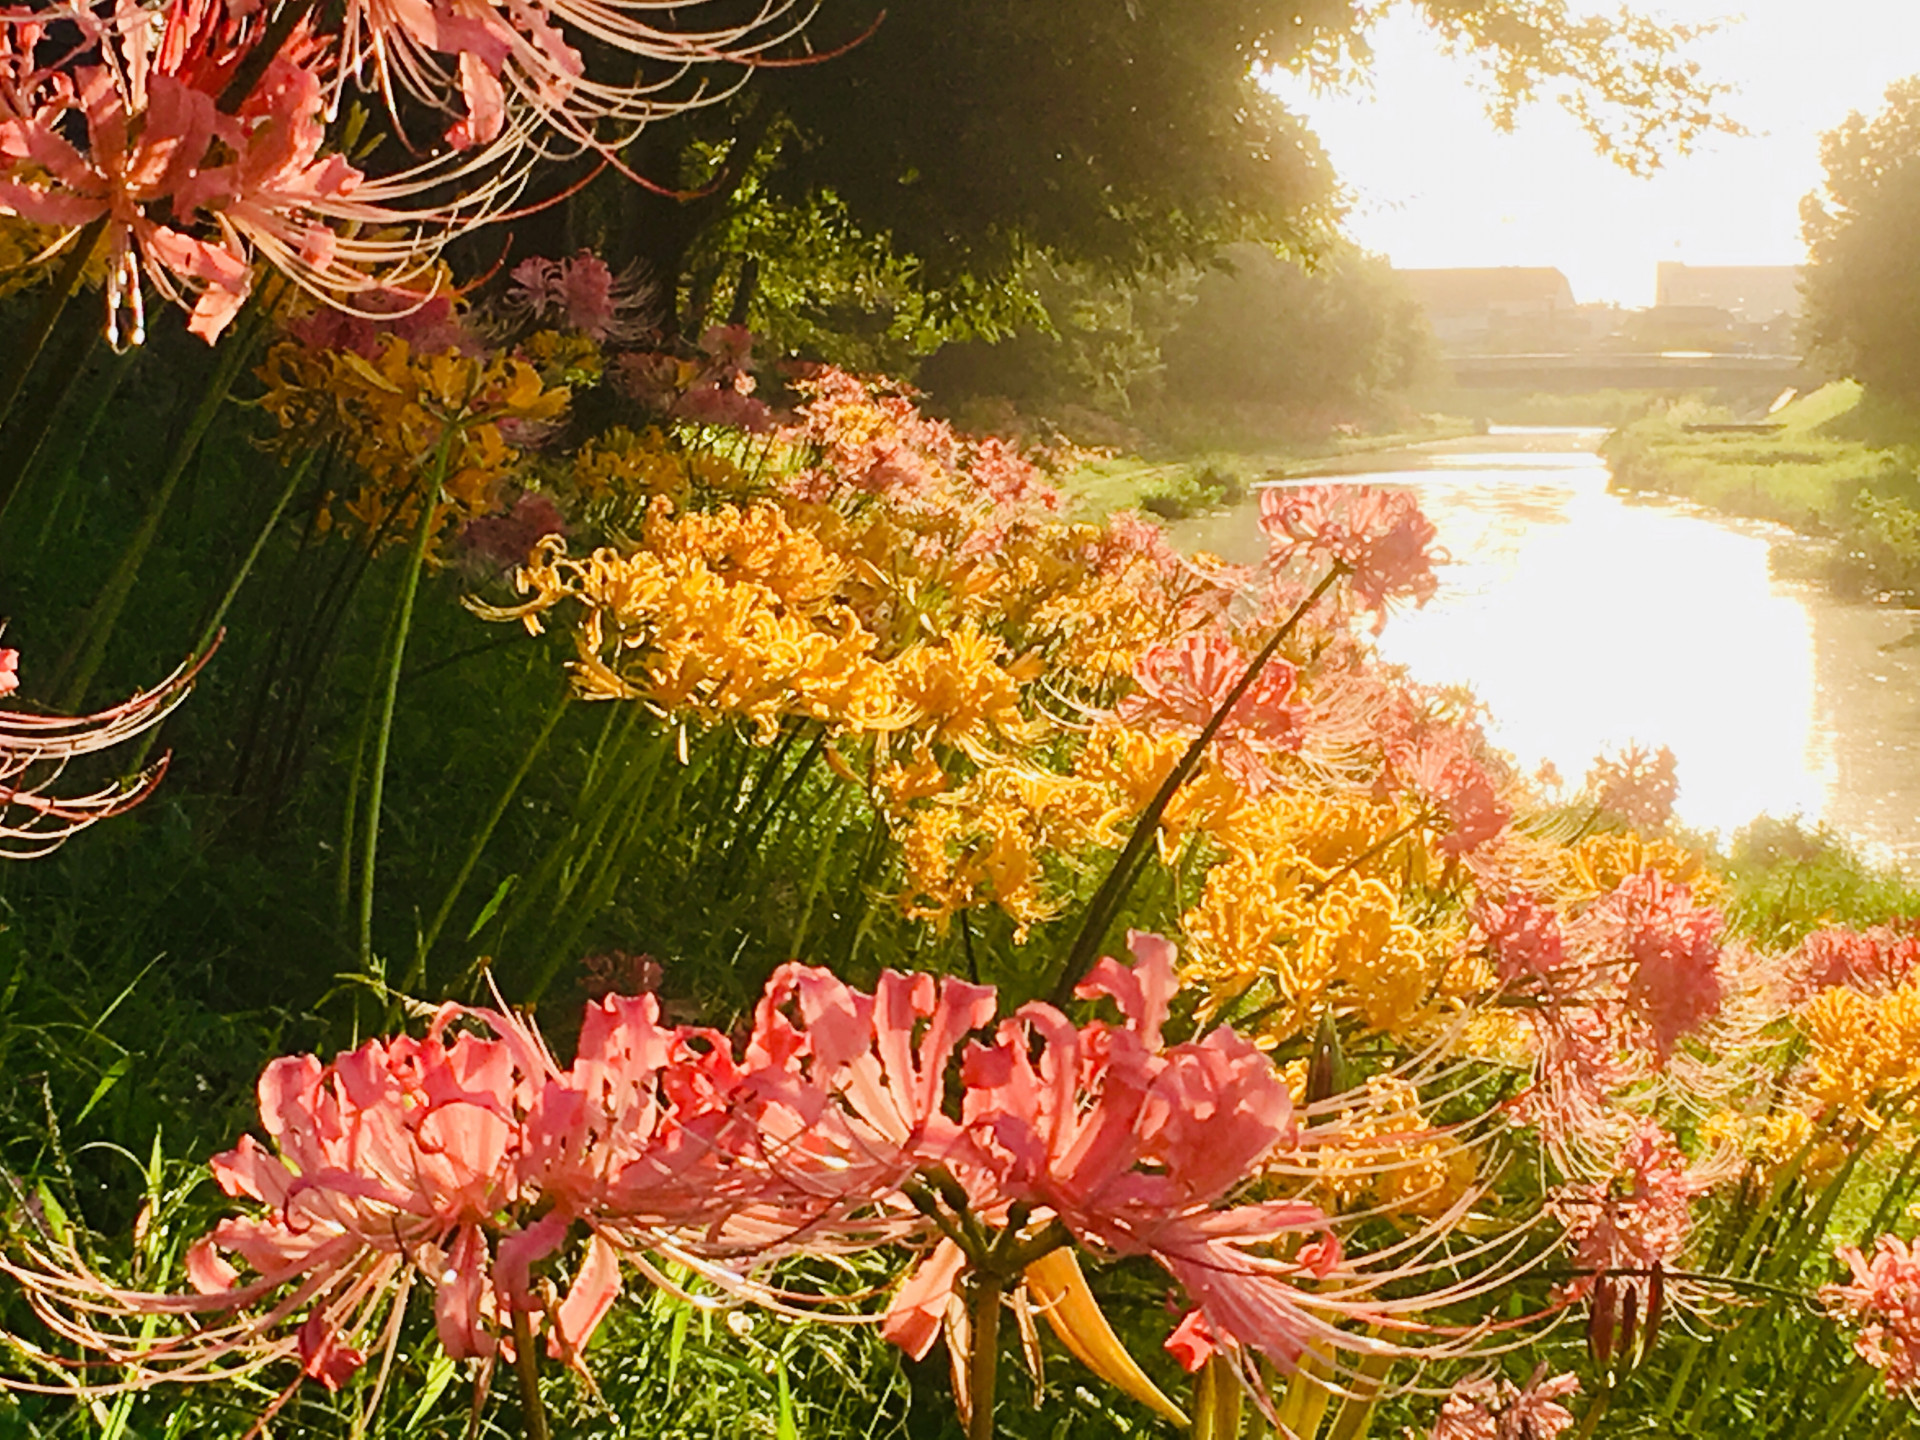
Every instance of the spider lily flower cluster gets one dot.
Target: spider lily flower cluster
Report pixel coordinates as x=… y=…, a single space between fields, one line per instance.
x=197 y=141
x=1460 y=1049
x=520 y=1192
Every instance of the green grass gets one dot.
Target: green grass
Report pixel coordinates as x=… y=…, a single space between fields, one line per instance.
x=1193 y=480
x=1785 y=879
x=1839 y=468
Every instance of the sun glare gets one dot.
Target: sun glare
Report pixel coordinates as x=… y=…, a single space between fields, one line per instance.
x=1434 y=185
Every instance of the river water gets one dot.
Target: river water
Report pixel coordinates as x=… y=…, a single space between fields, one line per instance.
x=1587 y=620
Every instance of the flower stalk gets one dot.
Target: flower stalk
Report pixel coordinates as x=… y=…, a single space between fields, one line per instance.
x=526 y=1367
x=26 y=350
x=81 y=665
x=1112 y=894
x=418 y=974
x=390 y=689
x=984 y=1292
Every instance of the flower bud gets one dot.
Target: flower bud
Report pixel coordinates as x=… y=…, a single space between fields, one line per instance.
x=1600 y=1322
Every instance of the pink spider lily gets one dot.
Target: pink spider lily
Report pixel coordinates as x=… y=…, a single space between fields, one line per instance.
x=1182 y=683
x=1883 y=1302
x=715 y=389
x=583 y=295
x=1140 y=1169
x=1609 y=996
x=130 y=135
x=473 y=1163
x=1108 y=1137
x=1444 y=769
x=1628 y=1232
x=457 y=1160
x=1670 y=948
x=1489 y=1409
x=1876 y=961
x=1577 y=1067
x=1064 y=1138
x=35 y=751
x=499 y=56
x=1379 y=536
x=1638 y=786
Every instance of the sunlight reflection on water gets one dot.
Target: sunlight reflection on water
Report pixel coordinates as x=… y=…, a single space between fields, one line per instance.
x=1586 y=622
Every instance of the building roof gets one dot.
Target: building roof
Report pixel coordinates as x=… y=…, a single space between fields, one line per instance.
x=1462 y=292
x=1754 y=293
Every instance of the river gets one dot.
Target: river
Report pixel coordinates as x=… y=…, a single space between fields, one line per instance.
x=1587 y=620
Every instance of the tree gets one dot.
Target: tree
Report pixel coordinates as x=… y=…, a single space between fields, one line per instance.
x=1862 y=281
x=965 y=135
x=1254 y=337
x=1265 y=333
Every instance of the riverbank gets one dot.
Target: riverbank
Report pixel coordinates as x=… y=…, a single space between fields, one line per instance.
x=1176 y=487
x=1829 y=466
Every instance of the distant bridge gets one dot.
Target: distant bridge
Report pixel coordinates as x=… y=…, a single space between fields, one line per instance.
x=1673 y=370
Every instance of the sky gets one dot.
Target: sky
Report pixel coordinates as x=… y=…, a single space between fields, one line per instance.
x=1434 y=184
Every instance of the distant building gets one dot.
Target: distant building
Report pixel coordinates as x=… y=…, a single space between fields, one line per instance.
x=1506 y=308
x=1751 y=294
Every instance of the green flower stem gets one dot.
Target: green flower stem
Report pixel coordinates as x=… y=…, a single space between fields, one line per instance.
x=389 y=694
x=1112 y=893
x=1355 y=1416
x=210 y=632
x=750 y=836
x=726 y=796
x=81 y=664
x=839 y=802
x=633 y=713
x=26 y=350
x=983 y=1357
x=859 y=914
x=526 y=1366
x=28 y=438
x=75 y=444
x=1890 y=1199
x=627 y=805
x=1216 y=1401
x=614 y=861
x=1601 y=1399
x=625 y=766
x=1749 y=1237
x=1783 y=1260
x=350 y=812
x=1802 y=1239
x=1206 y=1387
x=1855 y=1396
x=418 y=974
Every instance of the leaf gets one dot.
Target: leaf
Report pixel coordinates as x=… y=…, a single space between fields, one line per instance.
x=1061 y=1290
x=492 y=907
x=107 y=1082
x=1355 y=1417
x=784 y=1426
x=439 y=1376
x=677 y=1341
x=58 y=1226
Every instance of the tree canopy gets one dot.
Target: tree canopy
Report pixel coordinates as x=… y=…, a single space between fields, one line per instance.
x=964 y=135
x=1863 y=275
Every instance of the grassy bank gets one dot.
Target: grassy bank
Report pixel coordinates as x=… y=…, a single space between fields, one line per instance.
x=1179 y=484
x=1836 y=468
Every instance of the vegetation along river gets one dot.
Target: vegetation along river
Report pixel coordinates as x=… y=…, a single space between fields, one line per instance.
x=1586 y=620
